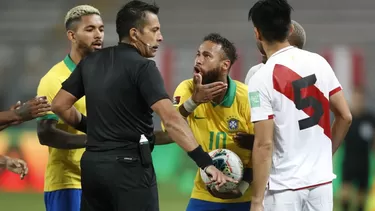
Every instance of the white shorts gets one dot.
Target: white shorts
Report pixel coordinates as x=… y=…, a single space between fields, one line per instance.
x=319 y=198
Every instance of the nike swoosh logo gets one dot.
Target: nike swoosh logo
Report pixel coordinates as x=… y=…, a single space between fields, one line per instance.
x=199 y=117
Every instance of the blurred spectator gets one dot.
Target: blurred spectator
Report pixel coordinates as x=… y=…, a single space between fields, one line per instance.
x=357 y=147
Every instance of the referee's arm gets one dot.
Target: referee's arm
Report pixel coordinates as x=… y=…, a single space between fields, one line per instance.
x=151 y=86
x=71 y=91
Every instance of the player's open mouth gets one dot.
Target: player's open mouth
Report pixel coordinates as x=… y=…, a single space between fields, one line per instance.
x=97 y=45
x=196 y=69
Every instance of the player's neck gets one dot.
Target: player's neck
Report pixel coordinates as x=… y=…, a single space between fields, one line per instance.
x=220 y=97
x=270 y=49
x=75 y=56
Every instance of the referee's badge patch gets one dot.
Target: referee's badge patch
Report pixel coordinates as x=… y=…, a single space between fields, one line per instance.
x=254 y=99
x=176 y=100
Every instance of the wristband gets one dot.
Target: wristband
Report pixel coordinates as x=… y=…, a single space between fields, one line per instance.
x=200 y=157
x=82 y=125
x=190 y=105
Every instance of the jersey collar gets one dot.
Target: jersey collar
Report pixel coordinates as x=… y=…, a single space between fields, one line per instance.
x=282 y=50
x=229 y=96
x=69 y=63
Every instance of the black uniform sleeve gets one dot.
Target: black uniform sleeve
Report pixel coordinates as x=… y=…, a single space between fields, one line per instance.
x=74 y=84
x=150 y=83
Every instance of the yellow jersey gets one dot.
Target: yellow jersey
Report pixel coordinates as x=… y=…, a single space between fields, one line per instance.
x=63 y=167
x=214 y=126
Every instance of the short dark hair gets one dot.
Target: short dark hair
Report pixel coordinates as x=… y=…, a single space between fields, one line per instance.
x=272 y=19
x=227 y=46
x=132 y=15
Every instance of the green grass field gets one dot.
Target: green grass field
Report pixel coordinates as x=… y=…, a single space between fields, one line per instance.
x=170 y=200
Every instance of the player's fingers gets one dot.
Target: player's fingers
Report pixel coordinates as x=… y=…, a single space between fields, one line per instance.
x=217 y=89
x=215 y=84
x=217 y=93
x=197 y=79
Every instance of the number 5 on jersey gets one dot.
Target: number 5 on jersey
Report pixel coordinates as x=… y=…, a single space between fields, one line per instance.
x=305 y=102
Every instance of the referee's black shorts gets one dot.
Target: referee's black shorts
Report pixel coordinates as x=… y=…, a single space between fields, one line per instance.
x=117 y=181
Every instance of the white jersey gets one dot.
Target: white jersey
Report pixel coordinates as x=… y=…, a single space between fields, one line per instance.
x=251 y=72
x=293 y=88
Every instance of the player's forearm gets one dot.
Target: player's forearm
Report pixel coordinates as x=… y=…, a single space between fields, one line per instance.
x=180 y=132
x=262 y=159
x=7 y=117
x=162 y=138
x=70 y=116
x=62 y=140
x=340 y=127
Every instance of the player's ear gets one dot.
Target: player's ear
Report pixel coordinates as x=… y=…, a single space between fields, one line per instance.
x=225 y=65
x=291 y=29
x=71 y=36
x=257 y=34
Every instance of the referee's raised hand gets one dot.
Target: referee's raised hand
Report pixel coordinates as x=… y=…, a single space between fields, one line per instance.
x=218 y=177
x=204 y=93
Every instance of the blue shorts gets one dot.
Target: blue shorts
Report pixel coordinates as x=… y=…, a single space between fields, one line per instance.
x=200 y=205
x=63 y=200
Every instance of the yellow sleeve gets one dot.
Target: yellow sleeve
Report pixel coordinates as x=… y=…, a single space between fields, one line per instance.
x=49 y=86
x=183 y=91
x=250 y=127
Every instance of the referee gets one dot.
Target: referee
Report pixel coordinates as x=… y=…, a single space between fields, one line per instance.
x=123 y=88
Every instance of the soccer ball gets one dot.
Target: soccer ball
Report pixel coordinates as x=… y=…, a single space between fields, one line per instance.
x=227 y=162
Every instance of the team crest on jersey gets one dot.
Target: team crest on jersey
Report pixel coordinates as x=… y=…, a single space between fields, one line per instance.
x=232 y=123
x=176 y=100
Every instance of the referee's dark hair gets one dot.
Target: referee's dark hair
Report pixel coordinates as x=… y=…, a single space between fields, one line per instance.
x=272 y=19
x=132 y=15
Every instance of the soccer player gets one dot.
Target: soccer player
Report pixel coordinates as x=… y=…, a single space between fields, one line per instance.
x=358 y=144
x=216 y=114
x=290 y=100
x=297 y=38
x=85 y=30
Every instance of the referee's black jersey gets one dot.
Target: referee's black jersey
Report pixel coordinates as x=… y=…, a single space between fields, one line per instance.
x=120 y=87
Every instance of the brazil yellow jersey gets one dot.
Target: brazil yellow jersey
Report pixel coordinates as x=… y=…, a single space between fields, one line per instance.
x=63 y=167
x=214 y=127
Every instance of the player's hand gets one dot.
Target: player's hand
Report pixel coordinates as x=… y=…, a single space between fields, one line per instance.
x=14 y=107
x=257 y=206
x=33 y=108
x=17 y=166
x=244 y=140
x=207 y=92
x=228 y=195
x=218 y=177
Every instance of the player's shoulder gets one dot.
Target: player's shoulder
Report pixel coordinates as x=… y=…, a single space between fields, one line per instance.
x=55 y=72
x=241 y=88
x=256 y=67
x=188 y=83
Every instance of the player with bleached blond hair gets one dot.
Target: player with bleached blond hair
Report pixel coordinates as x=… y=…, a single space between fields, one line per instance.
x=62 y=187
